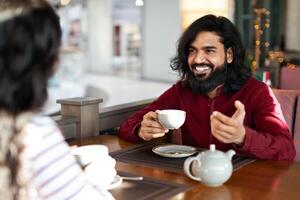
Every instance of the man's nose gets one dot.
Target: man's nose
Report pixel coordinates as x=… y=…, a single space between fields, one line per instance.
x=200 y=57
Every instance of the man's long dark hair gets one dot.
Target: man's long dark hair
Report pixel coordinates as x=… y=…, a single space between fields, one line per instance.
x=236 y=73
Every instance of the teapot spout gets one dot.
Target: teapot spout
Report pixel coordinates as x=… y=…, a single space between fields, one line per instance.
x=230 y=153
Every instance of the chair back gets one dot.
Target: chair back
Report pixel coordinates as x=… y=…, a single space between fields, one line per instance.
x=287 y=100
x=297 y=130
x=289 y=78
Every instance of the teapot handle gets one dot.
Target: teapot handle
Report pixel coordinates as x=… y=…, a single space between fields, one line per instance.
x=187 y=168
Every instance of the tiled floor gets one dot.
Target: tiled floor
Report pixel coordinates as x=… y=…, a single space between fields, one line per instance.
x=114 y=90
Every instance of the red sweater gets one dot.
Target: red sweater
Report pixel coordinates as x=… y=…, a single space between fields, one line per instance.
x=267 y=134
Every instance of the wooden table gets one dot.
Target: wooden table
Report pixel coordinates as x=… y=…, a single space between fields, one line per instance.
x=259 y=180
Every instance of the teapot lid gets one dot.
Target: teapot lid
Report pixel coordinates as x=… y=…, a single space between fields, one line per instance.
x=212 y=147
x=212 y=152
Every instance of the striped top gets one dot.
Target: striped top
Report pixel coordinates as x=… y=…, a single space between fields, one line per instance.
x=53 y=170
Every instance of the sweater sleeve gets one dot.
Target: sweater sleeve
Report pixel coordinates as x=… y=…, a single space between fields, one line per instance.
x=168 y=100
x=270 y=138
x=55 y=173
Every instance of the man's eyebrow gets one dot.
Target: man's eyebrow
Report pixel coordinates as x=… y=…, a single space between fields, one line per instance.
x=209 y=47
x=205 y=47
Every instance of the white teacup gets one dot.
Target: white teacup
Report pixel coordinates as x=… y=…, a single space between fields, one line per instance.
x=102 y=172
x=171 y=119
x=90 y=153
x=100 y=166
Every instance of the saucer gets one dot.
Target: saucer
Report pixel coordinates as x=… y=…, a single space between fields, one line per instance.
x=174 y=150
x=115 y=183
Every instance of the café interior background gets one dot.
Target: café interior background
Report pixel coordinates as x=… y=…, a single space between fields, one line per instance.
x=114 y=44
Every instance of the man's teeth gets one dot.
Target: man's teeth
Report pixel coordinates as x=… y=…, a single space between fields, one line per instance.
x=202 y=69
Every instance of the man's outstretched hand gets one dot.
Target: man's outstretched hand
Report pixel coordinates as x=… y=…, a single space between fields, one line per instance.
x=229 y=129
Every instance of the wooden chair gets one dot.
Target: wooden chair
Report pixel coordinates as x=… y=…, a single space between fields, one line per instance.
x=289 y=78
x=297 y=130
x=287 y=100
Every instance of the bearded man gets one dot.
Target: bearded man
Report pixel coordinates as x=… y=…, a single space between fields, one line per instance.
x=224 y=105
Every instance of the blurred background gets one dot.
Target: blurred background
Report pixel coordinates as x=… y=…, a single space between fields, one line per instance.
x=120 y=50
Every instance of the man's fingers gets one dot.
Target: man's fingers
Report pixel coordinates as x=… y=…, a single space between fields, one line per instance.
x=154 y=130
x=219 y=126
x=229 y=129
x=151 y=123
x=221 y=138
x=223 y=118
x=150 y=135
x=158 y=135
x=240 y=110
x=150 y=116
x=150 y=127
x=239 y=105
x=151 y=119
x=221 y=131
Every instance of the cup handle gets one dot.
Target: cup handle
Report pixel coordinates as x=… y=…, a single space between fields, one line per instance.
x=186 y=167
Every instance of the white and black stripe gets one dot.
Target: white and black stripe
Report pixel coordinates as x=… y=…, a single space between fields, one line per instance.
x=55 y=173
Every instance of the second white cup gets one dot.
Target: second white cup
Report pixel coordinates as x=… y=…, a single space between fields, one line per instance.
x=100 y=166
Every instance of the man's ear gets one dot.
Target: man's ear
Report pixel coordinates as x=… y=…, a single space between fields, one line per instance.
x=229 y=55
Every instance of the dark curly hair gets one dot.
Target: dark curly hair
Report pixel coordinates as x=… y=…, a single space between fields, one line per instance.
x=29 y=46
x=30 y=37
x=236 y=73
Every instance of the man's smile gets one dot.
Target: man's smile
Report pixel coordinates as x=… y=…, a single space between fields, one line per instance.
x=201 y=71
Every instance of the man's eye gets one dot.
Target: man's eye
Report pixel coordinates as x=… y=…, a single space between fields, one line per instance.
x=210 y=51
x=191 y=50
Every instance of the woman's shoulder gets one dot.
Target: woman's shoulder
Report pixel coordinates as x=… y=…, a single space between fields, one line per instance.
x=41 y=121
x=39 y=126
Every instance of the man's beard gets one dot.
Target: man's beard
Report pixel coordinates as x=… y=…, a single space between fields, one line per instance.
x=216 y=78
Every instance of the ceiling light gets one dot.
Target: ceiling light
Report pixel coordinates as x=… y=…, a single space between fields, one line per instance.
x=64 y=2
x=139 y=2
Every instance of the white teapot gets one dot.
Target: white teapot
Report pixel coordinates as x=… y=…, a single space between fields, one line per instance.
x=211 y=167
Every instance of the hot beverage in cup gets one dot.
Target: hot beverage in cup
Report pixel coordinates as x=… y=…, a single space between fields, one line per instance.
x=171 y=119
x=98 y=164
